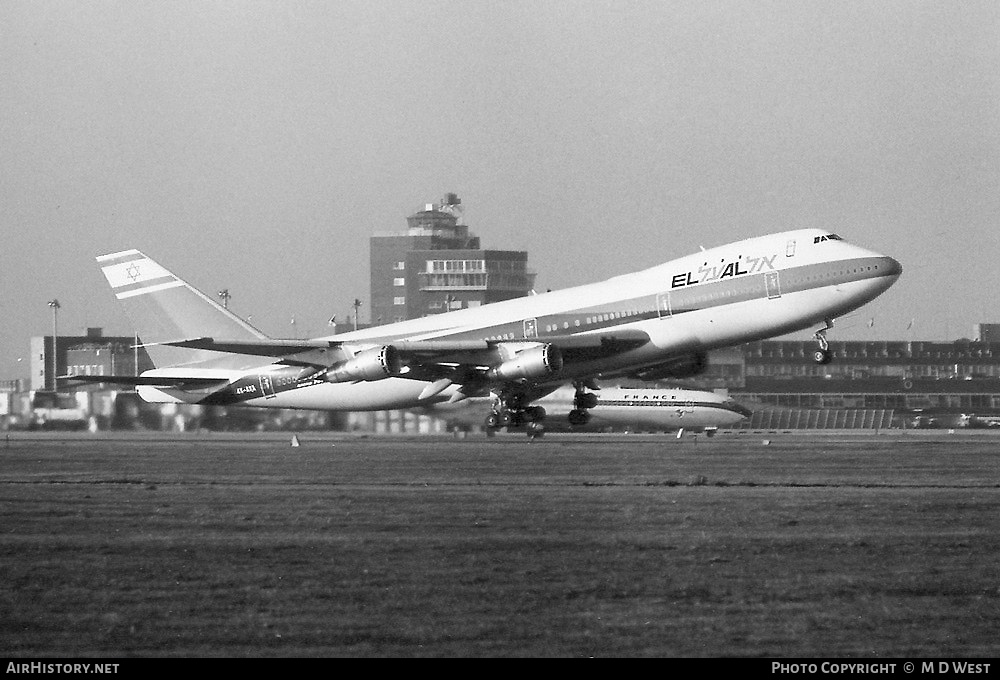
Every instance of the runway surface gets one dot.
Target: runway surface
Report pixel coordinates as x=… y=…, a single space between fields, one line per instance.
x=758 y=544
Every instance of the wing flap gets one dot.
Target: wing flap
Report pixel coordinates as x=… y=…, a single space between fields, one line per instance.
x=622 y=340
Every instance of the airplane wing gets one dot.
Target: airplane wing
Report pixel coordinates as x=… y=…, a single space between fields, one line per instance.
x=621 y=339
x=267 y=348
x=432 y=359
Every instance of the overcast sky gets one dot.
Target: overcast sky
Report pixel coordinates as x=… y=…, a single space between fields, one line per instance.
x=256 y=146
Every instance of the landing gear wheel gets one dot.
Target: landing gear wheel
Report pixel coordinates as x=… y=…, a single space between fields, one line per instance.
x=534 y=414
x=582 y=401
x=510 y=409
x=822 y=356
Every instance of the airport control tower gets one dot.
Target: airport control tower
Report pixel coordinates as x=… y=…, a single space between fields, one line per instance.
x=437 y=264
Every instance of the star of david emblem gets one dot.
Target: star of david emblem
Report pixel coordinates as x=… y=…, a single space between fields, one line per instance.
x=132 y=272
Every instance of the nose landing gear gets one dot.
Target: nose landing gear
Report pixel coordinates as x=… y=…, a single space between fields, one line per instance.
x=823 y=355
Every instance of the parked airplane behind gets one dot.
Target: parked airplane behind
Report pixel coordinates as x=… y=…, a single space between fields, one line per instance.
x=670 y=409
x=658 y=323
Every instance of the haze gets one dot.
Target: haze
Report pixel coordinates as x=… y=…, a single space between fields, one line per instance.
x=256 y=146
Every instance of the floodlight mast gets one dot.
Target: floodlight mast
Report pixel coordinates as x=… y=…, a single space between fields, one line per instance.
x=54 y=304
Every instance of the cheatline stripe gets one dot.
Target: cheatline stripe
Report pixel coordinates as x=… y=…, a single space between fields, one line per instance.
x=159 y=280
x=123 y=256
x=661 y=403
x=148 y=289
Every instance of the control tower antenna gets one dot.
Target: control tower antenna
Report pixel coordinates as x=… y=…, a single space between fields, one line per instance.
x=451 y=204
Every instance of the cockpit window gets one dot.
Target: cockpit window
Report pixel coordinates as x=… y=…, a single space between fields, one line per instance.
x=828 y=237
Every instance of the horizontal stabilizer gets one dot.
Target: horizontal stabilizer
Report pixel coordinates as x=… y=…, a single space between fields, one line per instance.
x=180 y=383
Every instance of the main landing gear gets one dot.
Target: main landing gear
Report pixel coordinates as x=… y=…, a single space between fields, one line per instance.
x=823 y=355
x=582 y=402
x=509 y=410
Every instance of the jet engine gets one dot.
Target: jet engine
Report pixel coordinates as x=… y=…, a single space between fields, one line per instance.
x=684 y=366
x=534 y=362
x=370 y=364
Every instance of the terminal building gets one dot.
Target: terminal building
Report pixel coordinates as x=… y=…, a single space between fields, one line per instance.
x=870 y=385
x=90 y=354
x=876 y=384
x=438 y=265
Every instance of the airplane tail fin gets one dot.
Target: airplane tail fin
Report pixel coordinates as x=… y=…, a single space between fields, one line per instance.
x=163 y=308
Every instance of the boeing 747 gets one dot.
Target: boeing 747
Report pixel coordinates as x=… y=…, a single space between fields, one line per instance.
x=658 y=323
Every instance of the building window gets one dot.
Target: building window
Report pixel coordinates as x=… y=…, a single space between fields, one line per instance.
x=399 y=282
x=456 y=266
x=399 y=266
x=399 y=301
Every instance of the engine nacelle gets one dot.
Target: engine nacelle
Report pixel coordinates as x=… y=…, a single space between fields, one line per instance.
x=534 y=362
x=686 y=366
x=370 y=364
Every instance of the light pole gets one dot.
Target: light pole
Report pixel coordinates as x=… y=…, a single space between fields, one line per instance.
x=54 y=304
x=357 y=304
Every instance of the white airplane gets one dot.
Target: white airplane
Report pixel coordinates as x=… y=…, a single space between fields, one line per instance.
x=669 y=409
x=657 y=323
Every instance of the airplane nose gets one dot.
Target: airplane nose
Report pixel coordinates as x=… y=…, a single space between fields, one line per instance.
x=742 y=410
x=891 y=266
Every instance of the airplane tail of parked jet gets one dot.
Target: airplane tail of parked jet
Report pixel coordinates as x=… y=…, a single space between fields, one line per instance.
x=165 y=309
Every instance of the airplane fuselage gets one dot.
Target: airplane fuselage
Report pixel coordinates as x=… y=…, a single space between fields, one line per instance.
x=664 y=409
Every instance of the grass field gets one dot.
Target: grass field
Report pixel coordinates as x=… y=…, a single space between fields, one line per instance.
x=871 y=546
